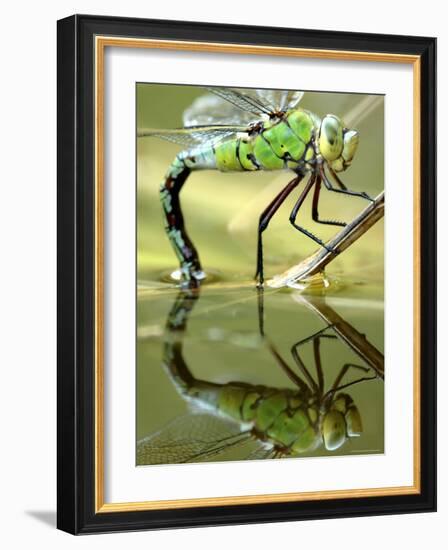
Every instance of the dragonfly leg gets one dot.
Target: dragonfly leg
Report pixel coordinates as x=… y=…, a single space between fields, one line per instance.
x=301 y=366
x=318 y=363
x=286 y=368
x=260 y=303
x=319 y=333
x=315 y=211
x=337 y=386
x=264 y=220
x=273 y=349
x=342 y=187
x=315 y=338
x=295 y=210
x=174 y=223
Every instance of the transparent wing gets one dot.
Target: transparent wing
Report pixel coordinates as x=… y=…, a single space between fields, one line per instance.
x=245 y=100
x=238 y=106
x=212 y=109
x=196 y=135
x=278 y=100
x=192 y=438
x=223 y=113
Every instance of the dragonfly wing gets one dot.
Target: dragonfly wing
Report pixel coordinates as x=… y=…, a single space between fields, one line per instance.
x=239 y=106
x=191 y=438
x=225 y=112
x=291 y=99
x=196 y=135
x=213 y=109
x=277 y=100
x=244 y=100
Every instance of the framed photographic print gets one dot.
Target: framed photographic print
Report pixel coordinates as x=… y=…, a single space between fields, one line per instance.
x=246 y=274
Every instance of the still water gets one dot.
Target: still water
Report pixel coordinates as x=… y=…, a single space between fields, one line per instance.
x=188 y=348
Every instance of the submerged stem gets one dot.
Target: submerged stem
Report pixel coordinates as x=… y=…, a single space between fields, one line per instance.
x=357 y=341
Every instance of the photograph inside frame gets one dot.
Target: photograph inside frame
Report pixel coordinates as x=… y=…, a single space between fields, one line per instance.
x=260 y=274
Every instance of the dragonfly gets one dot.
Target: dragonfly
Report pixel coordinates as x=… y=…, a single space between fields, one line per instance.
x=261 y=422
x=243 y=130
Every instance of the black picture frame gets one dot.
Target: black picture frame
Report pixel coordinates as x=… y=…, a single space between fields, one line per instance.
x=76 y=275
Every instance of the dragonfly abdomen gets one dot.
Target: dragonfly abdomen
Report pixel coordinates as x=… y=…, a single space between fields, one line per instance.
x=178 y=172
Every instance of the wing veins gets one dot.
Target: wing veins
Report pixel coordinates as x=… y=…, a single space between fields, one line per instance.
x=241 y=101
x=194 y=135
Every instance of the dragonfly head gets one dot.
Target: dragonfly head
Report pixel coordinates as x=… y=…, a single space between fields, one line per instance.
x=341 y=422
x=337 y=144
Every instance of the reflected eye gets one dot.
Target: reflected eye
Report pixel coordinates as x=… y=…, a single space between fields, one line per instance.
x=334 y=430
x=354 y=422
x=331 y=141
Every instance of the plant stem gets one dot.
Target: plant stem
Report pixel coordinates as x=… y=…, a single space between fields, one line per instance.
x=341 y=241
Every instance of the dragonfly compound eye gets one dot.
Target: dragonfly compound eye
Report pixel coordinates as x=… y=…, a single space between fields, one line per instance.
x=331 y=139
x=351 y=140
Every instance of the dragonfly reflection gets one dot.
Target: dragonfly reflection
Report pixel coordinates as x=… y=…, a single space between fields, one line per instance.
x=261 y=421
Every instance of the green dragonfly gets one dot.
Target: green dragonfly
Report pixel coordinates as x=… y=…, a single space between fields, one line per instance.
x=248 y=130
x=259 y=421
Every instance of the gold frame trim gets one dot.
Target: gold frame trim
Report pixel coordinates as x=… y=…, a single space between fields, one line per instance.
x=101 y=42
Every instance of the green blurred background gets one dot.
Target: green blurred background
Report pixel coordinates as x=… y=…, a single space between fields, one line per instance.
x=221 y=211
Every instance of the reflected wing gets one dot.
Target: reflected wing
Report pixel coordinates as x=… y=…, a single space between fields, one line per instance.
x=196 y=135
x=261 y=452
x=238 y=106
x=191 y=438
